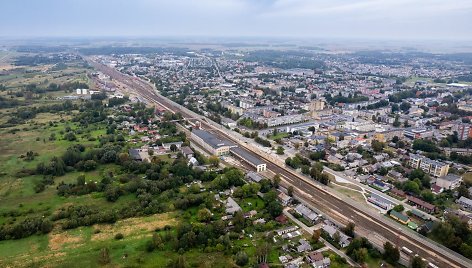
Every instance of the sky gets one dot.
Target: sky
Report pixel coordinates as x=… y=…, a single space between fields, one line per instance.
x=369 y=19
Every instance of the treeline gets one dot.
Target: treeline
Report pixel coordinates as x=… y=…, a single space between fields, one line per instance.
x=25 y=113
x=262 y=142
x=108 y=50
x=400 y=96
x=9 y=103
x=379 y=104
x=454 y=234
x=29 y=226
x=35 y=60
x=315 y=171
x=249 y=123
x=342 y=99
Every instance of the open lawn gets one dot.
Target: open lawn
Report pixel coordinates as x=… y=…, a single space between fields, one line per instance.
x=349 y=193
x=251 y=203
x=279 y=135
x=79 y=247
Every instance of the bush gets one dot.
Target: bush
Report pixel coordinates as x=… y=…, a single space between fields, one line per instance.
x=242 y=258
x=119 y=236
x=104 y=256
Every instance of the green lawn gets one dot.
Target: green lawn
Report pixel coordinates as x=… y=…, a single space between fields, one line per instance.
x=251 y=203
x=279 y=135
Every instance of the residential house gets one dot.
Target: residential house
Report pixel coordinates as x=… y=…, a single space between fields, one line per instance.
x=187 y=151
x=167 y=146
x=253 y=176
x=231 y=206
x=398 y=216
x=286 y=230
x=465 y=203
x=304 y=246
x=284 y=198
x=398 y=193
x=318 y=260
x=430 y=208
x=307 y=213
x=344 y=240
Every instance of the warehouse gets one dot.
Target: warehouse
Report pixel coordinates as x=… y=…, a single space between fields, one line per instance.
x=255 y=162
x=211 y=143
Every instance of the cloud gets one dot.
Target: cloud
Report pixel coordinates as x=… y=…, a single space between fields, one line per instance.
x=301 y=18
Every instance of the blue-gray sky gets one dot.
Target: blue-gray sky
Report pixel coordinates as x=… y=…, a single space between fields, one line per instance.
x=390 y=19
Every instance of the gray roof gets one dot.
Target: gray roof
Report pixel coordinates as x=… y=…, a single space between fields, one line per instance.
x=302 y=209
x=382 y=199
x=232 y=206
x=246 y=156
x=465 y=200
x=254 y=176
x=451 y=177
x=186 y=150
x=134 y=153
x=211 y=139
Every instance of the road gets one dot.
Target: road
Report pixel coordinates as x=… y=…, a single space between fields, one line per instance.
x=342 y=209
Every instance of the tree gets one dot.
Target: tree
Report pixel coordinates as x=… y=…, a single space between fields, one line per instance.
x=395 y=108
x=280 y=150
x=316 y=235
x=377 y=146
x=104 y=256
x=360 y=255
x=178 y=262
x=398 y=208
x=214 y=161
x=112 y=193
x=349 y=229
x=290 y=190
x=276 y=180
x=204 y=215
x=427 y=195
x=274 y=208
x=242 y=258
x=81 y=180
x=336 y=237
x=405 y=106
x=173 y=147
x=70 y=136
x=396 y=123
x=391 y=253
x=324 y=179
x=412 y=187
x=90 y=165
x=417 y=262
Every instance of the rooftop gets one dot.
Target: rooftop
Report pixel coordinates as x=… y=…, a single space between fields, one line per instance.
x=211 y=139
x=248 y=157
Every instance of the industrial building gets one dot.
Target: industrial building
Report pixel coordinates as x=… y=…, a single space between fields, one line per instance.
x=255 y=162
x=211 y=143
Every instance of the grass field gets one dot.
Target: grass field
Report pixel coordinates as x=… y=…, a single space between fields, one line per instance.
x=79 y=247
x=279 y=135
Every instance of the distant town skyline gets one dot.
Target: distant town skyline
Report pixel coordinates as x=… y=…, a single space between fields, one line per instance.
x=372 y=19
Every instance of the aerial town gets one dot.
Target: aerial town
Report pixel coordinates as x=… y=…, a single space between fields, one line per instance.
x=235 y=133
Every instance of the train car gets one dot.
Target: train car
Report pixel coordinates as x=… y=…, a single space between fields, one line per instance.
x=407 y=251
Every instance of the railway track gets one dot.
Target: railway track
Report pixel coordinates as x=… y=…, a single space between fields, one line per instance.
x=341 y=209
